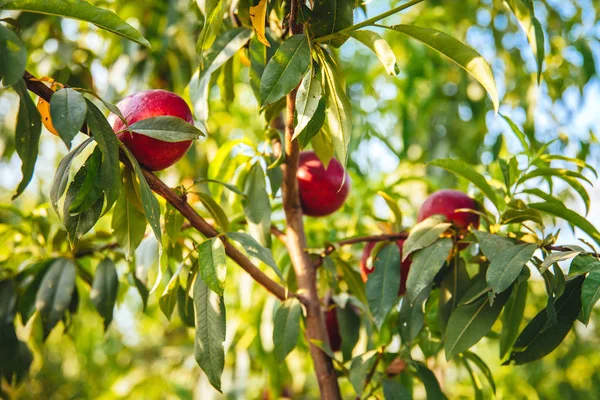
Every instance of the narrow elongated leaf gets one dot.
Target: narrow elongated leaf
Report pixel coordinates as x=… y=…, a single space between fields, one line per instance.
x=518 y=133
x=492 y=245
x=167 y=128
x=213 y=264
x=523 y=10
x=483 y=367
x=590 y=294
x=8 y=302
x=349 y=323
x=470 y=322
x=512 y=317
x=384 y=281
x=224 y=47
x=254 y=249
x=27 y=135
x=507 y=265
x=580 y=163
x=213 y=11
x=285 y=70
x=91 y=189
x=354 y=282
x=109 y=145
x=559 y=210
x=214 y=209
x=426 y=263
x=359 y=368
x=583 y=264
x=104 y=290
x=411 y=317
x=380 y=47
x=257 y=206
x=55 y=292
x=286 y=328
x=432 y=386
x=458 y=52
x=394 y=208
x=185 y=307
x=463 y=169
x=393 y=390
x=210 y=332
x=553 y=172
x=68 y=110
x=149 y=201
x=81 y=10
x=258 y=16
x=13 y=56
x=61 y=177
x=331 y=16
x=79 y=224
x=424 y=234
x=540 y=337
x=477 y=386
x=307 y=99
x=338 y=111
x=557 y=257
x=168 y=299
x=453 y=287
x=128 y=220
x=315 y=124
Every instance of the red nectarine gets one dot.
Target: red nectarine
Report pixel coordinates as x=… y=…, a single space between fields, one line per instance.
x=445 y=202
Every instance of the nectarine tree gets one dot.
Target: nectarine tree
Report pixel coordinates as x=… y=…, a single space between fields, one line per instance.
x=276 y=114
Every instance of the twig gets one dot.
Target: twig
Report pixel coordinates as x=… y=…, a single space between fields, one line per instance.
x=194 y=219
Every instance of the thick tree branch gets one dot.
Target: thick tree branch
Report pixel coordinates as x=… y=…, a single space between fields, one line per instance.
x=195 y=220
x=296 y=244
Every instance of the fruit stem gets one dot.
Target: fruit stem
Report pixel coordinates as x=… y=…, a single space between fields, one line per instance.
x=368 y=22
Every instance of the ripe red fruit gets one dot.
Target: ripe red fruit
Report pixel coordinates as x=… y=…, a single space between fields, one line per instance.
x=404 y=265
x=445 y=202
x=153 y=153
x=321 y=190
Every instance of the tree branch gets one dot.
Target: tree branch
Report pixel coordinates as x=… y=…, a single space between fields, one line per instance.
x=195 y=220
x=296 y=243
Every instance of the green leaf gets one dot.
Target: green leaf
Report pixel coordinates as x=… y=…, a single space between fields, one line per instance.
x=590 y=294
x=213 y=11
x=185 y=306
x=540 y=337
x=518 y=133
x=492 y=245
x=424 y=234
x=315 y=124
x=61 y=177
x=579 y=163
x=307 y=99
x=16 y=357
x=79 y=224
x=557 y=257
x=8 y=302
x=27 y=135
x=223 y=48
x=168 y=299
x=559 y=210
x=470 y=322
x=104 y=290
x=583 y=264
x=91 y=189
x=384 y=281
x=380 y=47
x=452 y=289
x=149 y=201
x=354 y=282
x=213 y=264
x=458 y=52
x=257 y=206
x=482 y=367
x=506 y=266
x=142 y=290
x=432 y=386
x=426 y=263
x=339 y=109
x=285 y=70
x=214 y=209
x=512 y=317
x=463 y=169
x=549 y=172
x=80 y=10
x=128 y=220
x=523 y=11
x=167 y=128
x=349 y=323
x=393 y=390
x=109 y=145
x=55 y=293
x=254 y=249
x=210 y=332
x=477 y=386
x=331 y=16
x=359 y=368
x=411 y=317
x=286 y=328
x=68 y=110
x=395 y=209
x=322 y=145
x=513 y=216
x=229 y=186
x=13 y=56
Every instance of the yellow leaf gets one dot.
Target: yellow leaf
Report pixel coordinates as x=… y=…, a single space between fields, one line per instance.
x=258 y=15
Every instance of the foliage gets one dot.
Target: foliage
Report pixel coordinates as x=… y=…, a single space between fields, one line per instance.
x=428 y=114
